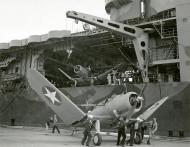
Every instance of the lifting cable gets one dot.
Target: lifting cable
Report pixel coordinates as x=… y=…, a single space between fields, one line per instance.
x=128 y=59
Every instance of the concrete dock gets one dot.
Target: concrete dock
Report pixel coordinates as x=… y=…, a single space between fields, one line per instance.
x=39 y=137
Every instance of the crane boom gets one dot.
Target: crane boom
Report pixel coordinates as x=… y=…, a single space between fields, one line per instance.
x=137 y=35
x=125 y=30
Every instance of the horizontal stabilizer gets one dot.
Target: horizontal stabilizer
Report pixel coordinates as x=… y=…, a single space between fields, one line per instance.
x=54 y=98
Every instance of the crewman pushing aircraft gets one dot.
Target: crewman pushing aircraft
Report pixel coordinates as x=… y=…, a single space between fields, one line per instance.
x=121 y=131
x=87 y=133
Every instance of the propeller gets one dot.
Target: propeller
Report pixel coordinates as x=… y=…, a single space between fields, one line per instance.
x=139 y=98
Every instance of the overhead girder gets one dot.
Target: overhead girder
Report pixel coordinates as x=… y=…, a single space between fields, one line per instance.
x=137 y=35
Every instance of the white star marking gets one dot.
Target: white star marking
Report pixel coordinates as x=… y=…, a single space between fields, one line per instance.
x=51 y=96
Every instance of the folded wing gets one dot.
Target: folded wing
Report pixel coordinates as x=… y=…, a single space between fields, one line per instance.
x=54 y=98
x=146 y=114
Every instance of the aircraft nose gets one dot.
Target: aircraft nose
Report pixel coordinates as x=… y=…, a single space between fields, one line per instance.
x=77 y=69
x=136 y=101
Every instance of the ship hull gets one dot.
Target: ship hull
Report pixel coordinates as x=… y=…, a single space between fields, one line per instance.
x=24 y=107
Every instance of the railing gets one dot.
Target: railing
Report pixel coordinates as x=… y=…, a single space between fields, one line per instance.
x=89 y=32
x=6 y=62
x=8 y=83
x=170 y=32
x=160 y=16
x=164 y=53
x=10 y=77
x=164 y=77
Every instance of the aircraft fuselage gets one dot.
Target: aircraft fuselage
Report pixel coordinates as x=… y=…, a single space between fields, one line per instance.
x=117 y=105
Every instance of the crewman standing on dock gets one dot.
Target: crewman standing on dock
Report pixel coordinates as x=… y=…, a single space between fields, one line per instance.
x=153 y=126
x=55 y=124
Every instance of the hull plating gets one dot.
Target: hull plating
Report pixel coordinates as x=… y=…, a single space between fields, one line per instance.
x=26 y=108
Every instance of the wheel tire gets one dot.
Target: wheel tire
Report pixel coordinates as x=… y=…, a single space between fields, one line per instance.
x=97 y=139
x=137 y=139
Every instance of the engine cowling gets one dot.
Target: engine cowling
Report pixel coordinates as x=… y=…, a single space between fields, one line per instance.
x=123 y=104
x=81 y=71
x=135 y=101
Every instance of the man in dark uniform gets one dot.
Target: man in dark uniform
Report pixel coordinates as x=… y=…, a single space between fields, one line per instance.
x=132 y=133
x=87 y=133
x=121 y=131
x=142 y=129
x=55 y=124
x=139 y=129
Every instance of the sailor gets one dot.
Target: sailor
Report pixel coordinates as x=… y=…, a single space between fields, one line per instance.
x=87 y=132
x=47 y=125
x=132 y=133
x=121 y=131
x=139 y=129
x=109 y=79
x=114 y=76
x=153 y=126
x=55 y=124
x=142 y=128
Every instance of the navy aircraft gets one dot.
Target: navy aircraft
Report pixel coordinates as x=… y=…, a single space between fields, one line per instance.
x=125 y=104
x=83 y=74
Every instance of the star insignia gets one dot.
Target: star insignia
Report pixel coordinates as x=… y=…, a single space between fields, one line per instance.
x=51 y=96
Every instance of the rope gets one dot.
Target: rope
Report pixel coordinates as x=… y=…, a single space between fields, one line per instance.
x=127 y=58
x=143 y=88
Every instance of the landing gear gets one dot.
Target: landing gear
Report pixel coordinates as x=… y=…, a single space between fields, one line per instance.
x=97 y=139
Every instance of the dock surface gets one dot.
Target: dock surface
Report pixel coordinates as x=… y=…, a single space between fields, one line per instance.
x=39 y=137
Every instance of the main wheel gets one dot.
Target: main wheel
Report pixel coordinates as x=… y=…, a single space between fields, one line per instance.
x=137 y=139
x=97 y=139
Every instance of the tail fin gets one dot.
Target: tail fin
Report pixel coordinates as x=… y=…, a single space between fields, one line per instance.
x=54 y=98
